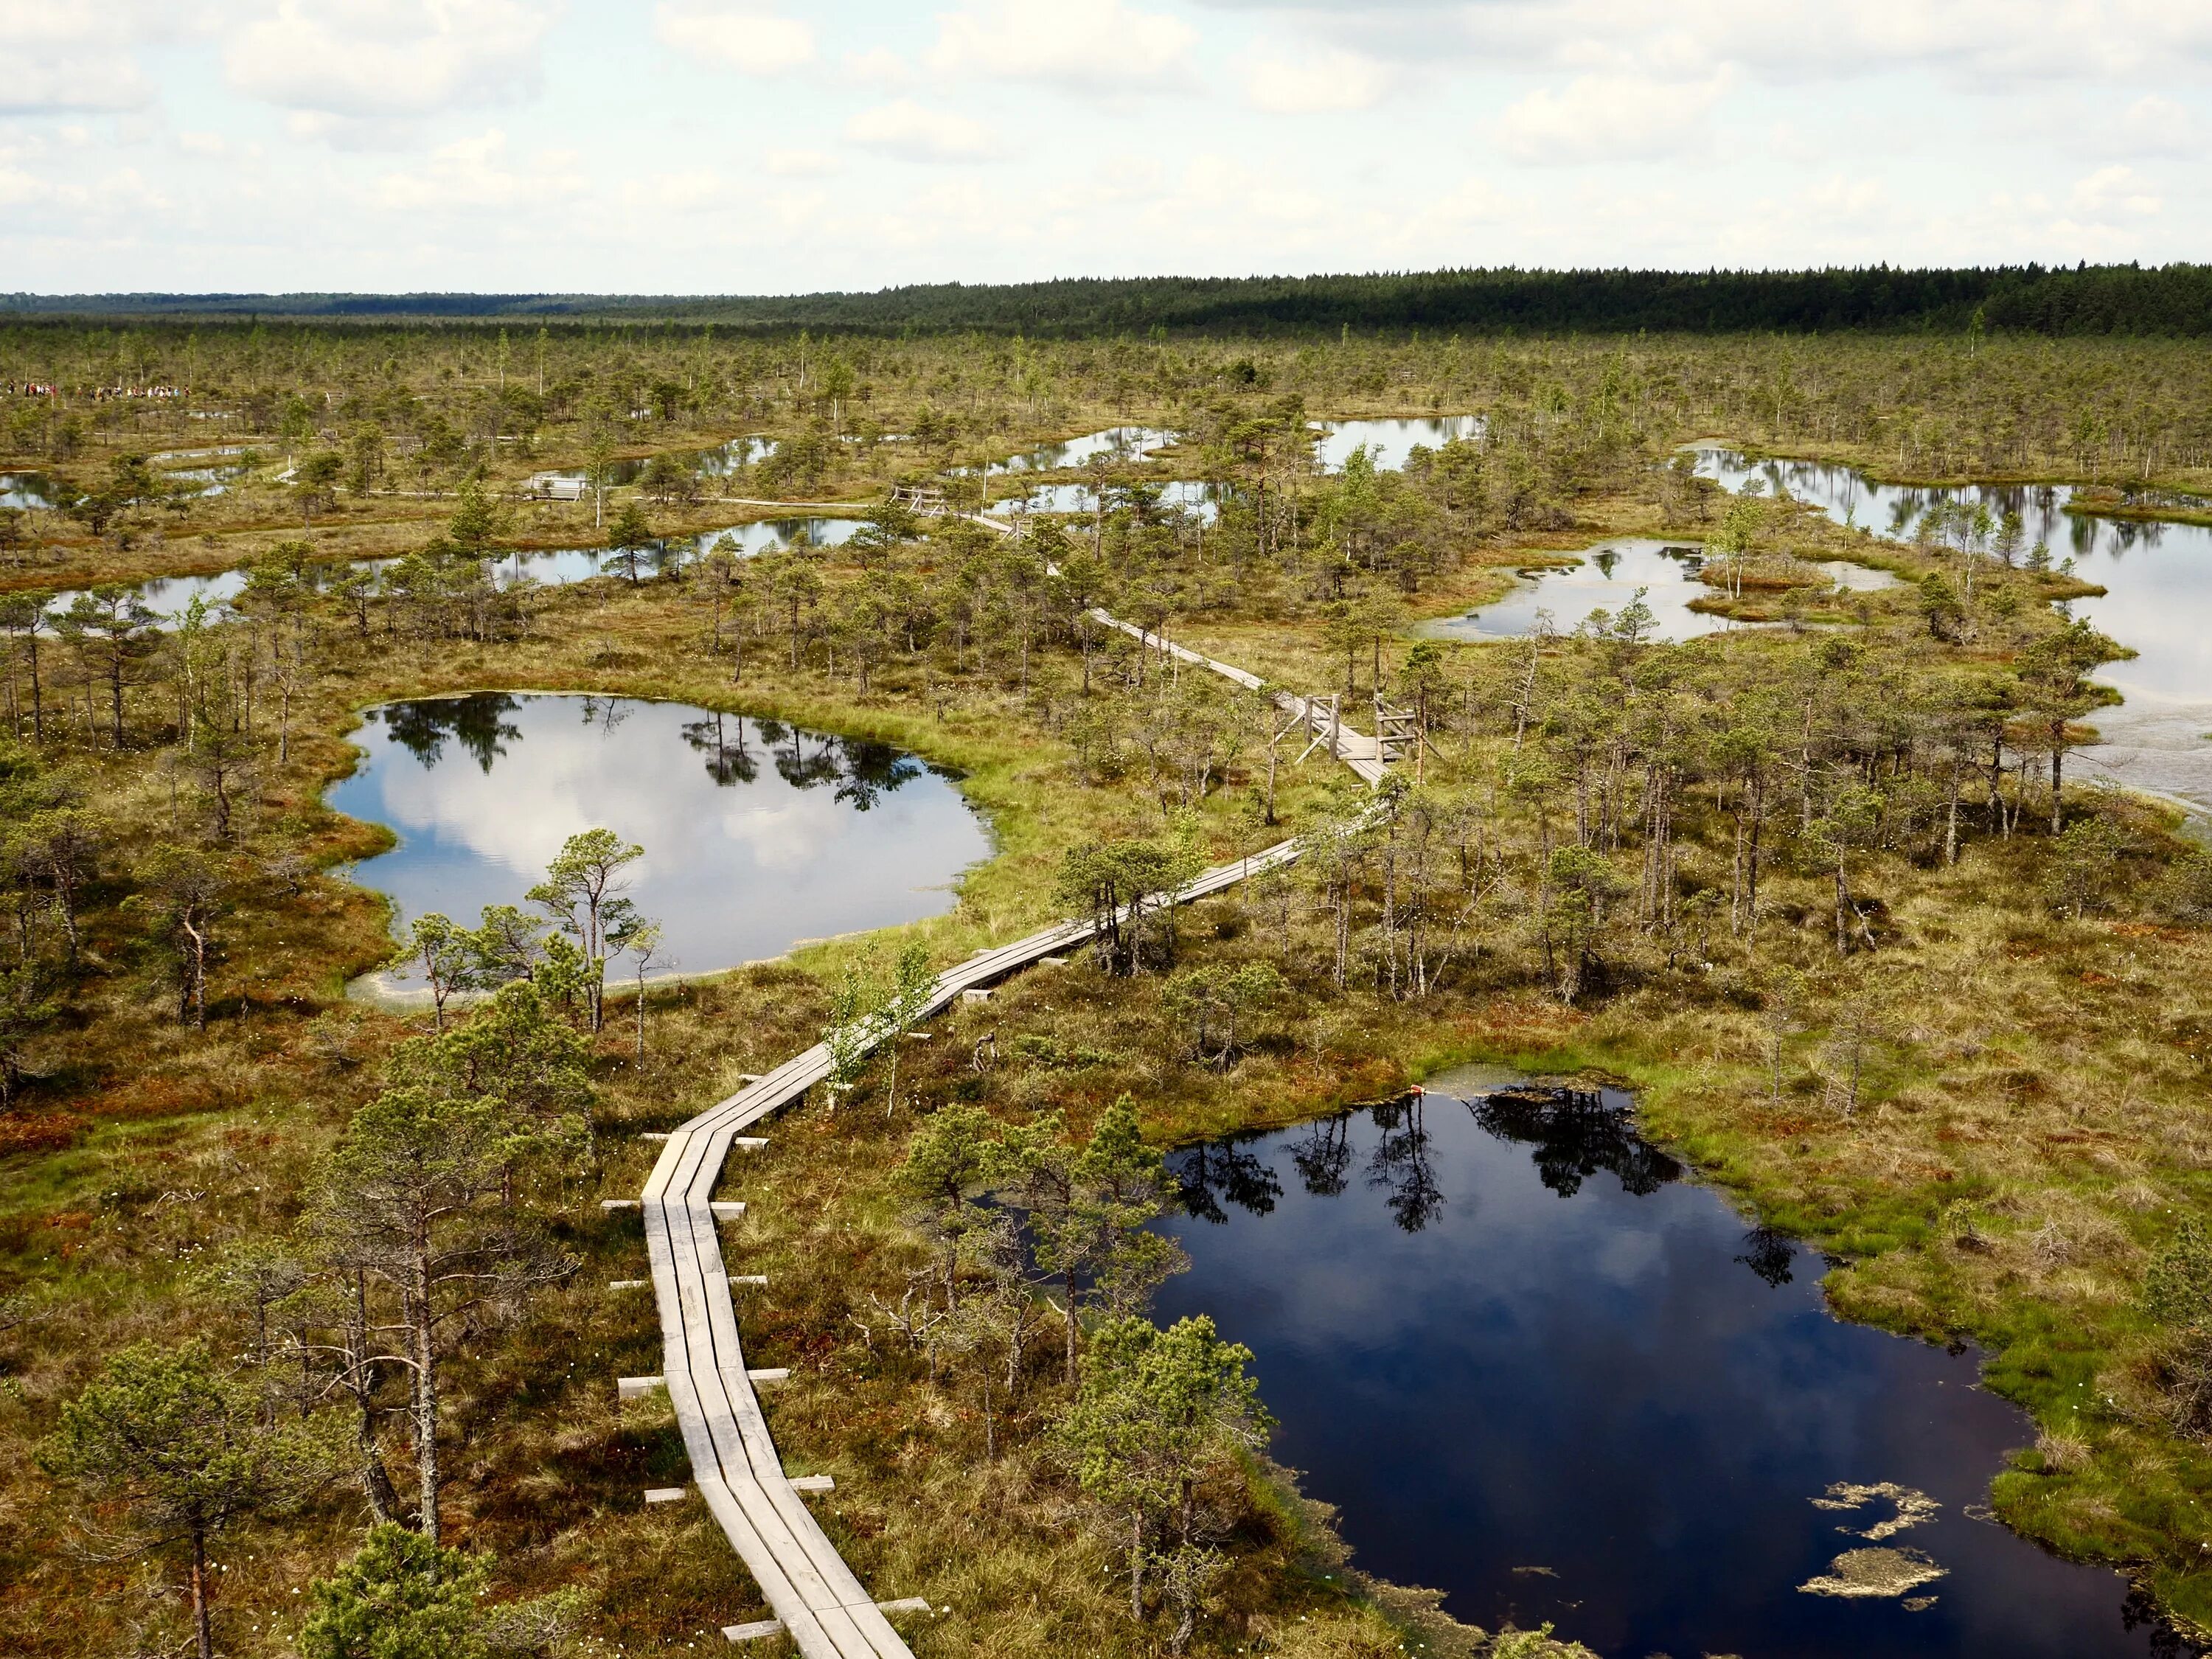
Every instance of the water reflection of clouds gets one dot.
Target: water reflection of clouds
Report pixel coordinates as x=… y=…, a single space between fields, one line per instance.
x=518 y=814
x=1390 y=441
x=2158 y=598
x=735 y=871
x=1575 y=1364
x=1607 y=578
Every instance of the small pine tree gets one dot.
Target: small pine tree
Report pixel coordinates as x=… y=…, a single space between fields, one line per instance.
x=400 y=1597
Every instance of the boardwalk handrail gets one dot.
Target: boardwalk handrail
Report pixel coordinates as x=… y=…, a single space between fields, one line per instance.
x=734 y=1462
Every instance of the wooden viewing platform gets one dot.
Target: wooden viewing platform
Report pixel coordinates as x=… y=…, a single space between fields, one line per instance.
x=735 y=1467
x=1319 y=714
x=925 y=500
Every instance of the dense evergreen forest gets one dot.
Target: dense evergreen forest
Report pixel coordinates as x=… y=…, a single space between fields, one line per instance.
x=2106 y=300
x=1828 y=890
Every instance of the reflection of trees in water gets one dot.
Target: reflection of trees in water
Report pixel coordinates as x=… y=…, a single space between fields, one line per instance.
x=728 y=762
x=1576 y=1133
x=792 y=763
x=1324 y=1154
x=1399 y=1164
x=1769 y=1254
x=476 y=722
x=863 y=770
x=2139 y=1610
x=1222 y=1170
x=608 y=714
x=872 y=770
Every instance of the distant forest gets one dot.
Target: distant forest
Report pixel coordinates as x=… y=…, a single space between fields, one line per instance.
x=2113 y=299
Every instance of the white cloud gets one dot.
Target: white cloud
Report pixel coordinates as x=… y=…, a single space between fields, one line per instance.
x=1101 y=46
x=2153 y=125
x=743 y=38
x=1979 y=44
x=800 y=163
x=685 y=193
x=92 y=205
x=2115 y=190
x=907 y=129
x=879 y=66
x=1843 y=199
x=1326 y=81
x=20 y=189
x=475 y=174
x=1609 y=117
x=202 y=144
x=378 y=59
x=58 y=58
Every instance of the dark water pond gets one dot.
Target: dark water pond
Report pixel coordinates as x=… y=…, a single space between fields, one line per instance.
x=757 y=835
x=2158 y=599
x=1538 y=1367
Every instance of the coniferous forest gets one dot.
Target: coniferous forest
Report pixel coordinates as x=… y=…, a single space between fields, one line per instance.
x=2168 y=301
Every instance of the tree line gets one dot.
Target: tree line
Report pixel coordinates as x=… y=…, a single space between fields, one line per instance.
x=2131 y=299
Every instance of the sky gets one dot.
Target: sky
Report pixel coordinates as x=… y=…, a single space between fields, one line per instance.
x=776 y=146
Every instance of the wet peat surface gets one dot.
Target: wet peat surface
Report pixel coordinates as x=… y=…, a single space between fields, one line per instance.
x=758 y=835
x=1539 y=1367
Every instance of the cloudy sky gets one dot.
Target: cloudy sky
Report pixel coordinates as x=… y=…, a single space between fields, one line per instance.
x=725 y=146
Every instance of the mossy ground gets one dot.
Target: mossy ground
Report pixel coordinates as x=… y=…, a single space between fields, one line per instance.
x=2033 y=1111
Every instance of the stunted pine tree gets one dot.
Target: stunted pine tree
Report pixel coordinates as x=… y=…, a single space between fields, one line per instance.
x=183 y=1451
x=410 y=1204
x=583 y=891
x=1157 y=1435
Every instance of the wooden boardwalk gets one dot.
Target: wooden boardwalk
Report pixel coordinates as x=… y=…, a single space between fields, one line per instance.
x=1355 y=749
x=814 y=1596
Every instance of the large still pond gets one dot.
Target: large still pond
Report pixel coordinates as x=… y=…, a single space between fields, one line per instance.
x=757 y=835
x=1115 y=443
x=1609 y=577
x=1389 y=441
x=1199 y=499
x=1538 y=1367
x=2158 y=599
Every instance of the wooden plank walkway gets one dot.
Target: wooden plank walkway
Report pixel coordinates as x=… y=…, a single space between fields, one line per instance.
x=1362 y=753
x=814 y=1596
x=733 y=1458
x=1355 y=749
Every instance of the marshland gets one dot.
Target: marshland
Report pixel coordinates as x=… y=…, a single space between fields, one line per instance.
x=1760 y=1014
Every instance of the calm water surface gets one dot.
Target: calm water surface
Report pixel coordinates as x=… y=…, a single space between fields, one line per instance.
x=1191 y=495
x=169 y=597
x=1121 y=443
x=1608 y=579
x=1390 y=441
x=1539 y=1369
x=757 y=835
x=26 y=489
x=765 y=533
x=2158 y=599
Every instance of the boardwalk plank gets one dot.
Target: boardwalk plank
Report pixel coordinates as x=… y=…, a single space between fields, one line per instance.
x=736 y=1467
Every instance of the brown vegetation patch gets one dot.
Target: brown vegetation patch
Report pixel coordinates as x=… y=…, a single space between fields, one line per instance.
x=39 y=1132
